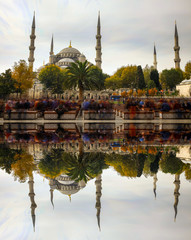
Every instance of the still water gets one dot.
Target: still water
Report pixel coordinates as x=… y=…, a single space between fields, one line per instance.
x=77 y=183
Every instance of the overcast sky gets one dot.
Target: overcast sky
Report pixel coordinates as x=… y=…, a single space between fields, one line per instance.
x=129 y=29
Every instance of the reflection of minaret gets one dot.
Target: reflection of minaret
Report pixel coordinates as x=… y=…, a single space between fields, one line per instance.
x=98 y=197
x=154 y=184
x=32 y=47
x=176 y=194
x=98 y=44
x=155 y=58
x=31 y=195
x=51 y=197
x=176 y=48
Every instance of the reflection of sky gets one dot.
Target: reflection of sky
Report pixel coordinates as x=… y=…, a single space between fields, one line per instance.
x=129 y=210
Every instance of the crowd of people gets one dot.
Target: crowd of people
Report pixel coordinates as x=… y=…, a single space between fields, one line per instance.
x=61 y=106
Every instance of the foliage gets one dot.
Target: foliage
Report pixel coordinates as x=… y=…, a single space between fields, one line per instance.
x=53 y=77
x=129 y=77
x=188 y=69
x=146 y=71
x=152 y=92
x=140 y=78
x=79 y=75
x=140 y=92
x=23 y=166
x=84 y=166
x=7 y=157
x=154 y=76
x=7 y=83
x=171 y=164
x=170 y=78
x=23 y=76
x=52 y=165
x=151 y=84
x=98 y=76
x=112 y=82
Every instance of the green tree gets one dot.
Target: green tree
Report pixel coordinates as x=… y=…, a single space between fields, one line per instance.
x=98 y=77
x=154 y=76
x=23 y=76
x=151 y=84
x=112 y=82
x=84 y=166
x=188 y=69
x=53 y=77
x=7 y=157
x=146 y=71
x=7 y=84
x=79 y=76
x=140 y=78
x=170 y=78
x=129 y=77
x=52 y=165
x=169 y=163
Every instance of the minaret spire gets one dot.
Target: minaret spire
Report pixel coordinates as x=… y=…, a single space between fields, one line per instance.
x=98 y=197
x=98 y=44
x=31 y=195
x=176 y=194
x=176 y=48
x=32 y=46
x=51 y=58
x=155 y=58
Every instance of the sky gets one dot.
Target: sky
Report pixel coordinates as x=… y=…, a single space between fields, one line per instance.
x=129 y=29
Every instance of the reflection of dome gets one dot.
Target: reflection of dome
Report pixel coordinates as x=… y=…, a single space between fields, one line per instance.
x=40 y=68
x=66 y=185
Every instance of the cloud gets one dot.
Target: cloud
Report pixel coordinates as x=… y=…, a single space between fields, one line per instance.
x=129 y=30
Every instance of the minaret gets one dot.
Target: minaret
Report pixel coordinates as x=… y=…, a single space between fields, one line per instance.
x=32 y=47
x=51 y=51
x=31 y=195
x=176 y=48
x=176 y=194
x=154 y=184
x=98 y=44
x=155 y=58
x=98 y=197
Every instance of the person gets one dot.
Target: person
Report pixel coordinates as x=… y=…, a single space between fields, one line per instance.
x=8 y=109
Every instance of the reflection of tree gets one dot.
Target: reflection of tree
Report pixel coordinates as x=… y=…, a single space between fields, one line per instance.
x=7 y=157
x=85 y=165
x=171 y=164
x=188 y=172
x=124 y=164
x=52 y=165
x=23 y=166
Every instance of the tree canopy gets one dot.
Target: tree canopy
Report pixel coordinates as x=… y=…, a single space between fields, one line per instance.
x=7 y=83
x=23 y=76
x=154 y=76
x=140 y=78
x=170 y=78
x=188 y=68
x=53 y=77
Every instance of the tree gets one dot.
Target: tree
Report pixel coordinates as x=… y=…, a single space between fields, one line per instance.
x=53 y=77
x=7 y=83
x=129 y=77
x=52 y=165
x=23 y=166
x=112 y=82
x=140 y=78
x=169 y=163
x=97 y=75
x=151 y=84
x=23 y=76
x=79 y=76
x=154 y=76
x=170 y=78
x=146 y=71
x=188 y=68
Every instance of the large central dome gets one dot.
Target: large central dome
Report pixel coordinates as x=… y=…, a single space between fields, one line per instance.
x=69 y=50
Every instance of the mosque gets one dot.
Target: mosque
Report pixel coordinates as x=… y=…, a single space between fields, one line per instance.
x=62 y=59
x=70 y=54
